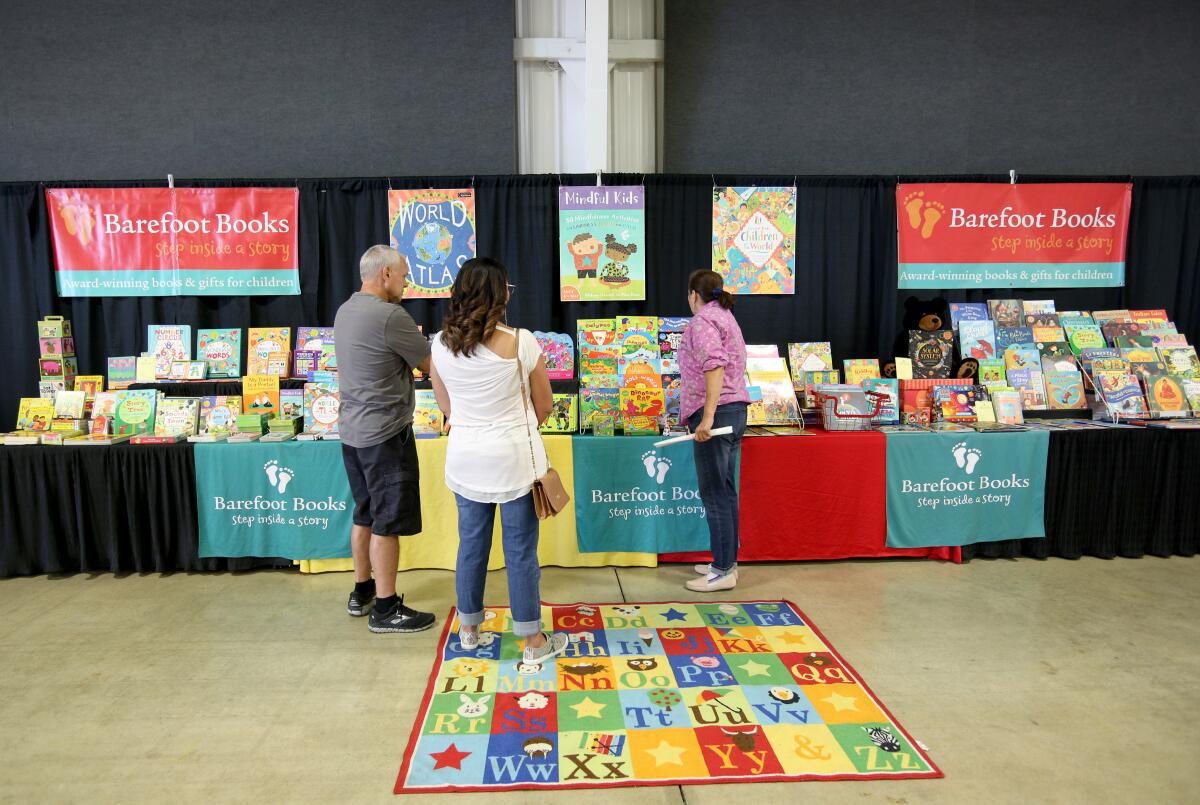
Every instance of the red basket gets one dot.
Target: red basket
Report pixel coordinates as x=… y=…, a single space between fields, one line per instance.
x=833 y=419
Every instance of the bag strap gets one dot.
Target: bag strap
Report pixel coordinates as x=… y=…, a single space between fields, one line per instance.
x=525 y=404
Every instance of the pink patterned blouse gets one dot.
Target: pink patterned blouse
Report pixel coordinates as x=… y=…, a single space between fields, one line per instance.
x=712 y=339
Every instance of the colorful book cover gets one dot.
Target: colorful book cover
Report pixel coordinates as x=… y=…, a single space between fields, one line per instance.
x=672 y=388
x=631 y=324
x=1137 y=353
x=261 y=343
x=1165 y=396
x=221 y=349
x=1117 y=364
x=1006 y=312
x=218 y=415
x=1122 y=393
x=635 y=425
x=428 y=420
x=956 y=403
x=1087 y=356
x=596 y=404
x=279 y=363
x=1086 y=338
x=992 y=371
x=1181 y=361
x=313 y=338
x=1037 y=307
x=596 y=365
x=89 y=385
x=1007 y=336
x=596 y=326
x=435 y=231
x=1041 y=319
x=640 y=345
x=602 y=243
x=35 y=413
x=809 y=356
x=105 y=404
x=1158 y=315
x=1065 y=390
x=176 y=416
x=754 y=239
x=1102 y=316
x=1144 y=369
x=673 y=324
x=857 y=370
x=328 y=360
x=291 y=403
x=849 y=399
x=559 y=351
x=1033 y=393
x=144 y=368
x=779 y=396
x=643 y=402
x=134 y=414
x=70 y=404
x=932 y=353
x=1166 y=339
x=669 y=342
x=1120 y=329
x=168 y=343
x=1057 y=357
x=179 y=370
x=320 y=405
x=1049 y=334
x=756 y=409
x=1007 y=405
x=1191 y=389
x=967 y=311
x=977 y=339
x=260 y=394
x=564 y=415
x=889 y=409
x=305 y=362
x=122 y=372
x=760 y=365
x=813 y=379
x=1022 y=356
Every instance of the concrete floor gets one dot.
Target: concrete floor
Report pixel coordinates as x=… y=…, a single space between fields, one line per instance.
x=1029 y=681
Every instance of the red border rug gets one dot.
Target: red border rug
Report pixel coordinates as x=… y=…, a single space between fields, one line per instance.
x=674 y=693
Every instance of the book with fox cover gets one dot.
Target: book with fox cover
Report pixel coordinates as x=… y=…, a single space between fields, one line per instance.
x=932 y=353
x=564 y=415
x=260 y=394
x=977 y=339
x=221 y=349
x=1065 y=390
x=261 y=342
x=1165 y=396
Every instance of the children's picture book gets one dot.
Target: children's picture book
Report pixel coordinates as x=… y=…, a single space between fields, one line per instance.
x=179 y=370
x=1087 y=356
x=134 y=414
x=1121 y=393
x=177 y=416
x=279 y=364
x=1007 y=336
x=1057 y=357
x=313 y=339
x=1164 y=338
x=670 y=338
x=779 y=396
x=857 y=370
x=848 y=398
x=1117 y=329
x=597 y=326
x=643 y=402
x=596 y=365
x=1157 y=316
x=144 y=368
x=1007 y=406
x=1165 y=396
x=1103 y=316
x=1006 y=312
x=1049 y=334
x=630 y=324
x=428 y=420
x=196 y=370
x=1041 y=319
x=1065 y=390
x=597 y=405
x=218 y=415
x=105 y=404
x=122 y=372
x=221 y=349
x=291 y=403
x=168 y=343
x=35 y=413
x=328 y=360
x=889 y=409
x=559 y=351
x=992 y=371
x=1143 y=369
x=830 y=377
x=564 y=415
x=260 y=394
x=261 y=343
x=1035 y=307
x=1022 y=356
x=1181 y=361
x=932 y=353
x=977 y=339
x=305 y=362
x=810 y=356
x=967 y=311
x=1138 y=354
x=1086 y=338
x=756 y=411
x=754 y=239
x=1191 y=390
x=89 y=385
x=321 y=405
x=1033 y=392
x=69 y=404
x=956 y=403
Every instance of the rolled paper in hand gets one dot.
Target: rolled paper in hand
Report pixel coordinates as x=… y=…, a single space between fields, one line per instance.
x=687 y=437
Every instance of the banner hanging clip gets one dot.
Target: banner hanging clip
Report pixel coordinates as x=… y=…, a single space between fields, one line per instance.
x=1012 y=177
x=171 y=181
x=597 y=178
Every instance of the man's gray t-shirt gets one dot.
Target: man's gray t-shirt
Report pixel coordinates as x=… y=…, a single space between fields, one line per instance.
x=378 y=344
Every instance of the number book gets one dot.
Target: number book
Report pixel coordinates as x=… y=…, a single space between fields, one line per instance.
x=89 y=385
x=1049 y=334
x=564 y=415
x=291 y=403
x=1007 y=405
x=221 y=350
x=1022 y=356
x=305 y=362
x=992 y=371
x=428 y=421
x=122 y=372
x=35 y=413
x=813 y=379
x=889 y=409
x=1181 y=361
x=260 y=394
x=967 y=311
x=1006 y=312
x=69 y=404
x=559 y=351
x=218 y=415
x=1057 y=357
x=1165 y=396
x=932 y=353
x=168 y=343
x=1157 y=315
x=1007 y=336
x=1086 y=338
x=134 y=414
x=176 y=416
x=859 y=369
x=1065 y=390
x=261 y=342
x=1121 y=392
x=313 y=338
x=321 y=404
x=598 y=404
x=977 y=339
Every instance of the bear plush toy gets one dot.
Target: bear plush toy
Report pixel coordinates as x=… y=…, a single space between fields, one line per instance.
x=928 y=315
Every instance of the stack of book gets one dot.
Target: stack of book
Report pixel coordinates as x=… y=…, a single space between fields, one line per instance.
x=57 y=365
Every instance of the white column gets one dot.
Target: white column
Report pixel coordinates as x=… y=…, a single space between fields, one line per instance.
x=596 y=85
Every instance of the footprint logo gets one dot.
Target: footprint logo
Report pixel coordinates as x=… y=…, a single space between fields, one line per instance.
x=78 y=221
x=648 y=461
x=278 y=476
x=966 y=457
x=271 y=468
x=912 y=206
x=285 y=478
x=931 y=213
x=662 y=466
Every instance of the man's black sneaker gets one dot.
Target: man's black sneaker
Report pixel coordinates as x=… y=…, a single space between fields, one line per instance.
x=359 y=603
x=400 y=619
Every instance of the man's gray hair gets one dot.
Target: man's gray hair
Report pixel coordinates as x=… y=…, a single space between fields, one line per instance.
x=375 y=260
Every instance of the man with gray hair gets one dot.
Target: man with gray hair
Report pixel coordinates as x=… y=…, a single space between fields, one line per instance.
x=378 y=346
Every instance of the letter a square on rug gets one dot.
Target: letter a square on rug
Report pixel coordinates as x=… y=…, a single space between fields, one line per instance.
x=652 y=694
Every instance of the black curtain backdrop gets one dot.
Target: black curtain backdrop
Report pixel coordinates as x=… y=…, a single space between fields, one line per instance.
x=846 y=262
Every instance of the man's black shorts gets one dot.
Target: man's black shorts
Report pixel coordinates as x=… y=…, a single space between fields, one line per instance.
x=385 y=481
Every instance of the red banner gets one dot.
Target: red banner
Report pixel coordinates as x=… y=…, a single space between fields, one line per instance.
x=961 y=235
x=161 y=241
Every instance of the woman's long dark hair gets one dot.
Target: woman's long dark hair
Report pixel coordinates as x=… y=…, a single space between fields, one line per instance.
x=477 y=303
x=711 y=288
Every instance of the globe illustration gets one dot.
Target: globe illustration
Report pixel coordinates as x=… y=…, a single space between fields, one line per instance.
x=432 y=243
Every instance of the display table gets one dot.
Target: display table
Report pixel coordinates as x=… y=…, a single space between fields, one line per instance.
x=209 y=388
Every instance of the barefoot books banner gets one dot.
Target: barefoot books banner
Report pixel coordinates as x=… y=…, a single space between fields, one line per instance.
x=288 y=499
x=961 y=488
x=754 y=239
x=435 y=231
x=602 y=243
x=964 y=235
x=158 y=241
x=630 y=496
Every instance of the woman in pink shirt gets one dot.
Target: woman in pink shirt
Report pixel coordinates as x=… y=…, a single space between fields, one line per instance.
x=712 y=365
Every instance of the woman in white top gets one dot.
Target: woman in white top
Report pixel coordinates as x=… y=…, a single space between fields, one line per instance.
x=491 y=383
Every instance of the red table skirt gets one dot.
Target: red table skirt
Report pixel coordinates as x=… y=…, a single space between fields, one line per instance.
x=814 y=497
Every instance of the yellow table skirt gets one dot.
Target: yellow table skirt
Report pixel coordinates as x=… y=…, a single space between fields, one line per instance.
x=437 y=546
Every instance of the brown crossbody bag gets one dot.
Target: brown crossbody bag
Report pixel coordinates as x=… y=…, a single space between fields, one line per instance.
x=549 y=495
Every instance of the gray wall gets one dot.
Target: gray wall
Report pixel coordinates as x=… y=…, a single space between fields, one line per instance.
x=214 y=88
x=933 y=86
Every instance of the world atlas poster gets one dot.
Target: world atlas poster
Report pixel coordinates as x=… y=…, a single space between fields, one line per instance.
x=754 y=239
x=435 y=231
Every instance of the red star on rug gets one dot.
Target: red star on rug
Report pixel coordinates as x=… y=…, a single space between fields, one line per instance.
x=449 y=758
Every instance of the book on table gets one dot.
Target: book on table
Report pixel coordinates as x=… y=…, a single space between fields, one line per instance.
x=134 y=413
x=977 y=339
x=932 y=353
x=1121 y=393
x=564 y=415
x=221 y=350
x=1006 y=312
x=428 y=420
x=260 y=394
x=321 y=407
x=261 y=343
x=168 y=343
x=1165 y=396
x=967 y=311
x=177 y=416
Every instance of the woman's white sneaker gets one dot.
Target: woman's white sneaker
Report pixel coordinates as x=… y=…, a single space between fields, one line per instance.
x=713 y=583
